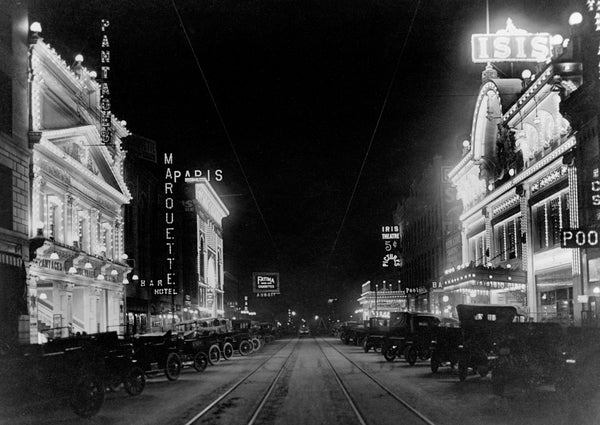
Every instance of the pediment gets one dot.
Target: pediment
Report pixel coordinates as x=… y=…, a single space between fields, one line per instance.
x=82 y=149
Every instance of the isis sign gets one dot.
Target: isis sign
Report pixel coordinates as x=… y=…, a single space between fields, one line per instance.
x=265 y=283
x=511 y=45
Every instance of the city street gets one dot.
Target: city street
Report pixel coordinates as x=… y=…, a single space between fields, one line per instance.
x=255 y=212
x=306 y=391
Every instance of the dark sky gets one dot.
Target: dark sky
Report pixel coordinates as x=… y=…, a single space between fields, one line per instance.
x=300 y=85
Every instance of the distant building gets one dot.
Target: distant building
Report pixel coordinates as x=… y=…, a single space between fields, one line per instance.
x=143 y=216
x=203 y=239
x=379 y=299
x=232 y=302
x=427 y=218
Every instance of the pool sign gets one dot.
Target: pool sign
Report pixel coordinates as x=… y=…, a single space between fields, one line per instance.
x=579 y=238
x=511 y=45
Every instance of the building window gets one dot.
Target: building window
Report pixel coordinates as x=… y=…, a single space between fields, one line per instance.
x=551 y=216
x=508 y=238
x=5 y=102
x=6 y=206
x=477 y=251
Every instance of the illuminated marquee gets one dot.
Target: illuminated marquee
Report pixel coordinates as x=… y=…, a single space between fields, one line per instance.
x=511 y=45
x=105 y=114
x=265 y=283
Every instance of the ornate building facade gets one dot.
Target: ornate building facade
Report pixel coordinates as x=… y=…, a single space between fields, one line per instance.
x=206 y=292
x=518 y=182
x=76 y=273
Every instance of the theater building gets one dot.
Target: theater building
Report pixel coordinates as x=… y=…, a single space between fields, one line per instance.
x=518 y=182
x=204 y=283
x=76 y=271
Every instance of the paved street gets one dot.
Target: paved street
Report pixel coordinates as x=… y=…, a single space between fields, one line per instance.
x=306 y=391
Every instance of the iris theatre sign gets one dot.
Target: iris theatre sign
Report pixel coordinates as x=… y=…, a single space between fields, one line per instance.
x=511 y=45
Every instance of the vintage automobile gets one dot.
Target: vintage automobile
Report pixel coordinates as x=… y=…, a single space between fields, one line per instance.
x=267 y=331
x=211 y=337
x=473 y=345
x=346 y=331
x=531 y=354
x=158 y=352
x=68 y=368
x=407 y=334
x=376 y=328
x=303 y=331
x=418 y=342
x=119 y=364
x=244 y=330
x=444 y=347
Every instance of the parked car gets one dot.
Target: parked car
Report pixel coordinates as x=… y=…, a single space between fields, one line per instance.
x=70 y=368
x=303 y=331
x=158 y=352
x=473 y=345
x=410 y=336
x=531 y=354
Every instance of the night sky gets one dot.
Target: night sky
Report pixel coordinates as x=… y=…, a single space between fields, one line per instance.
x=300 y=85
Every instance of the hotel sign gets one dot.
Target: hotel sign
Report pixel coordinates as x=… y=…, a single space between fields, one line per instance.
x=511 y=45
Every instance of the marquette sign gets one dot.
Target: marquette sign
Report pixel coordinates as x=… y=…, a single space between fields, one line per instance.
x=265 y=284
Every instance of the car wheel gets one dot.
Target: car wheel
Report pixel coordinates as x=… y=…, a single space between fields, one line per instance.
x=410 y=355
x=113 y=384
x=200 y=361
x=245 y=347
x=498 y=382
x=255 y=344
x=389 y=354
x=87 y=396
x=463 y=369
x=135 y=381
x=227 y=350
x=482 y=371
x=214 y=354
x=434 y=364
x=173 y=366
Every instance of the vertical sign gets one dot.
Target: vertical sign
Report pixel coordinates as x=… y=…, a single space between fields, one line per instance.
x=171 y=284
x=391 y=237
x=105 y=114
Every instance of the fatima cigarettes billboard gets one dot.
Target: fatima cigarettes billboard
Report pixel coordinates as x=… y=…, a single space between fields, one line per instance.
x=265 y=283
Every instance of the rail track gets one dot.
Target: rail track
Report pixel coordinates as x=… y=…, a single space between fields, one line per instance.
x=352 y=401
x=229 y=393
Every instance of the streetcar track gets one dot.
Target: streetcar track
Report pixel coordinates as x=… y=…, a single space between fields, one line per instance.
x=372 y=378
x=265 y=397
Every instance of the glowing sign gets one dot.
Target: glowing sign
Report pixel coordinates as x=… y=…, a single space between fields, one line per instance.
x=169 y=228
x=511 y=45
x=390 y=232
x=391 y=258
x=578 y=238
x=263 y=283
x=105 y=114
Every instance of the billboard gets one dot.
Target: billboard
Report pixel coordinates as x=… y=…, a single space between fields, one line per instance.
x=264 y=283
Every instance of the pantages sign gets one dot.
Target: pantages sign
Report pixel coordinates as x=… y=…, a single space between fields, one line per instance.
x=511 y=45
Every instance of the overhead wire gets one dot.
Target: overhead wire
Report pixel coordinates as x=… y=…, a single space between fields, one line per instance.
x=385 y=101
x=222 y=121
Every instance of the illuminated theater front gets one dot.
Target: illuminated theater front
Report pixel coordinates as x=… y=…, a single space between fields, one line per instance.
x=517 y=181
